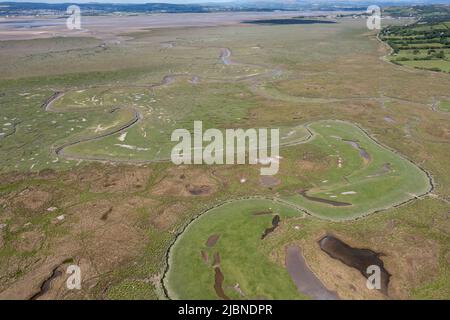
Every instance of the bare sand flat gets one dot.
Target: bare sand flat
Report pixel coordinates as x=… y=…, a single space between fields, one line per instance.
x=108 y=26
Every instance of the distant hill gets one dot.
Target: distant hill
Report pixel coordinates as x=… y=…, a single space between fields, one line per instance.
x=34 y=8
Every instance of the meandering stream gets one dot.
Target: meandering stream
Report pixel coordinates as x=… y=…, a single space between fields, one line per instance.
x=294 y=260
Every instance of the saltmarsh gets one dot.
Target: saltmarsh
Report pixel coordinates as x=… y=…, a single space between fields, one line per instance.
x=280 y=76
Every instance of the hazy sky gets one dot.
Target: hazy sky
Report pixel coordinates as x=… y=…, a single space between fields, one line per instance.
x=119 y=1
x=206 y=1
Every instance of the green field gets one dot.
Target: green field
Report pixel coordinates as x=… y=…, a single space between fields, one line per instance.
x=190 y=277
x=432 y=65
x=423 y=44
x=445 y=106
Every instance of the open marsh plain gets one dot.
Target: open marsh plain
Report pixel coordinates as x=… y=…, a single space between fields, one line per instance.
x=85 y=130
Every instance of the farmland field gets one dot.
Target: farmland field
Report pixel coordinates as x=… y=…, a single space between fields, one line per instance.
x=423 y=43
x=85 y=139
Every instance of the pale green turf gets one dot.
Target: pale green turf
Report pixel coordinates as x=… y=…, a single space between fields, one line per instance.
x=250 y=266
x=150 y=139
x=375 y=189
x=238 y=228
x=167 y=109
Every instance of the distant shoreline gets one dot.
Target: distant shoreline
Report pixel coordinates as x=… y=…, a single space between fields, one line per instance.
x=110 y=26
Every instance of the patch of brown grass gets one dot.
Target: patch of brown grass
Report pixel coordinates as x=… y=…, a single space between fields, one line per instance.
x=111 y=179
x=32 y=198
x=181 y=182
x=169 y=216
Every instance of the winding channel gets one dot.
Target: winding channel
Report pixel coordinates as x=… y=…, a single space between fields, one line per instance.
x=137 y=116
x=319 y=291
x=225 y=56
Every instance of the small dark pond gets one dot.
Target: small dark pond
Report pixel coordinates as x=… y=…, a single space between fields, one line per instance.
x=359 y=259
